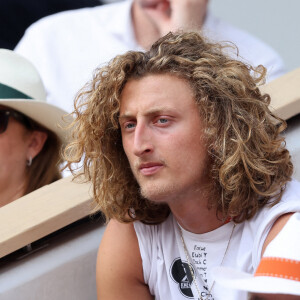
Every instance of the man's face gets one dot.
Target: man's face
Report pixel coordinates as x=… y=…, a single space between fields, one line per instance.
x=162 y=137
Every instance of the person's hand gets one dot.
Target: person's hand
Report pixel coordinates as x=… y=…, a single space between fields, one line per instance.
x=172 y=15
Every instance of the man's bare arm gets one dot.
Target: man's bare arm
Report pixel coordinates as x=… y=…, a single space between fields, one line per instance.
x=119 y=265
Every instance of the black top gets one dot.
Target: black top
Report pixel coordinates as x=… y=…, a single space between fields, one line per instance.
x=17 y=15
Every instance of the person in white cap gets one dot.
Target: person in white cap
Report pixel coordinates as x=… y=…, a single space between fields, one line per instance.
x=30 y=138
x=278 y=274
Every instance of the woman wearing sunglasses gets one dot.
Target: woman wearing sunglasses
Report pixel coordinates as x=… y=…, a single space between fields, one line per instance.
x=30 y=135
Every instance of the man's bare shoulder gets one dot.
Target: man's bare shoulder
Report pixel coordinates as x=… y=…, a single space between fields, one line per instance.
x=119 y=264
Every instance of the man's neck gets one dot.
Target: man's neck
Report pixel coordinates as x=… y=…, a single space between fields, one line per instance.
x=194 y=215
x=198 y=220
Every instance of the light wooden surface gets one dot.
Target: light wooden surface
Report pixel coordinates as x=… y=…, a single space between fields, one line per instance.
x=42 y=212
x=64 y=202
x=285 y=94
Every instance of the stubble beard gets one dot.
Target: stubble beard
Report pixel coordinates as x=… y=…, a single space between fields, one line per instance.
x=168 y=192
x=157 y=193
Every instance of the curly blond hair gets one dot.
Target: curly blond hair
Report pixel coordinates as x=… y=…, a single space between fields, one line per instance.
x=250 y=165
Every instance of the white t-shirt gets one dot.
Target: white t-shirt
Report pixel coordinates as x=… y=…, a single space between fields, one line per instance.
x=165 y=264
x=68 y=46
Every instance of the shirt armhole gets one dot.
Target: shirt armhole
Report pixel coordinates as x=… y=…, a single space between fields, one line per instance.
x=148 y=250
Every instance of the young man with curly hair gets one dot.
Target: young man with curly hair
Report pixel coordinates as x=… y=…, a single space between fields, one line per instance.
x=187 y=164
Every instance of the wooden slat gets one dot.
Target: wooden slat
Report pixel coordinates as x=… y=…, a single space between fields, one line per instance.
x=285 y=94
x=42 y=212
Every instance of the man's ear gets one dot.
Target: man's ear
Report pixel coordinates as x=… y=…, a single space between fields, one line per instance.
x=36 y=143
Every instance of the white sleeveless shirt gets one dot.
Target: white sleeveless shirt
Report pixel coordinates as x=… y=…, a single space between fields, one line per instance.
x=165 y=264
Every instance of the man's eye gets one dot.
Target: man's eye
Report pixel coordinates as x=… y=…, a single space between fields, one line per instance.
x=129 y=125
x=162 y=121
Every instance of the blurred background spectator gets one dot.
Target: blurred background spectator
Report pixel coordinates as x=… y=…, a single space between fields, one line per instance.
x=67 y=47
x=30 y=137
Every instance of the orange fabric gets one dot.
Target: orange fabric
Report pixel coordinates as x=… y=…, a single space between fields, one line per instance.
x=279 y=267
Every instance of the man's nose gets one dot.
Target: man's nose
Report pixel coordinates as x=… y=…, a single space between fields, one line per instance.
x=143 y=142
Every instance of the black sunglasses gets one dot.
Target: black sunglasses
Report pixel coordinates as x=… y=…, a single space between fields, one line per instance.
x=4 y=117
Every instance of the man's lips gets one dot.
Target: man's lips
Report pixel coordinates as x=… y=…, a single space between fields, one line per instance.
x=150 y=168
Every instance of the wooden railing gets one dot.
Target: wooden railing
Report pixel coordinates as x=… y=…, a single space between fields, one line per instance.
x=285 y=94
x=42 y=212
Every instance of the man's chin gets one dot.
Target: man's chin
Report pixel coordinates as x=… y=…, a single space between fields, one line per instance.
x=156 y=194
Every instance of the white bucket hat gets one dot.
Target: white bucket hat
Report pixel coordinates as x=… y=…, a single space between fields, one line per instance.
x=21 y=88
x=279 y=268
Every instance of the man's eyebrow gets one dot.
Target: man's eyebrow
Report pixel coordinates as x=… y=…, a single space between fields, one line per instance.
x=150 y=112
x=160 y=110
x=125 y=116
